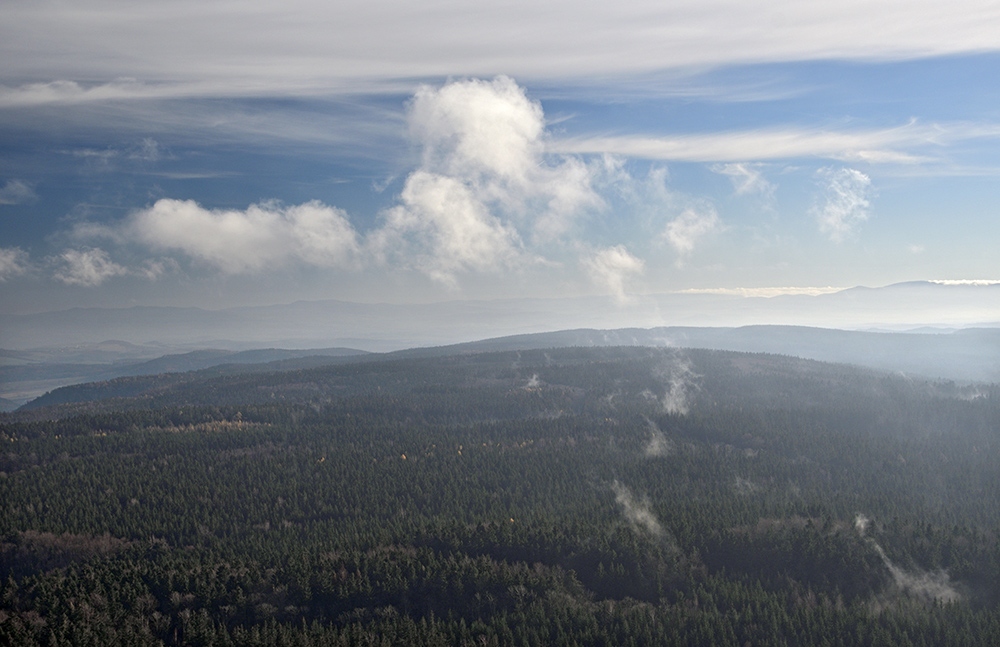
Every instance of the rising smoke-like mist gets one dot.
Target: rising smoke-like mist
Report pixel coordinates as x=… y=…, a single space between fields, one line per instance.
x=926 y=586
x=681 y=382
x=637 y=512
x=659 y=444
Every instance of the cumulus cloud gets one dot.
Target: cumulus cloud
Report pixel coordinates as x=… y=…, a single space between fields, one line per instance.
x=486 y=197
x=16 y=192
x=845 y=203
x=611 y=269
x=13 y=262
x=87 y=267
x=478 y=128
x=684 y=231
x=447 y=228
x=484 y=184
x=747 y=178
x=484 y=192
x=263 y=236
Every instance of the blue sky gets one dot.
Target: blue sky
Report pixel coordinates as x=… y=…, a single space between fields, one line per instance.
x=217 y=154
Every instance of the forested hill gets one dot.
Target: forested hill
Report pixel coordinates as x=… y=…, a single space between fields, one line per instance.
x=963 y=355
x=574 y=496
x=26 y=372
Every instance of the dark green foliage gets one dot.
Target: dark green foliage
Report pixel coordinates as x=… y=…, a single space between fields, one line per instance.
x=534 y=498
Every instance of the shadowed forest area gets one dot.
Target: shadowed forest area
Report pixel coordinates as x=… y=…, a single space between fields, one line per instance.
x=569 y=496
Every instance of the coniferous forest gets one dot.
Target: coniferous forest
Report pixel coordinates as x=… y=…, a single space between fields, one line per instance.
x=575 y=496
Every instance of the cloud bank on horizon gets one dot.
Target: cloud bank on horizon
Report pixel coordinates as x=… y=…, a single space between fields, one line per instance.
x=378 y=151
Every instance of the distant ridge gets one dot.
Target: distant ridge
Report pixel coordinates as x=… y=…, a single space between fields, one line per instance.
x=384 y=327
x=200 y=359
x=970 y=355
x=30 y=374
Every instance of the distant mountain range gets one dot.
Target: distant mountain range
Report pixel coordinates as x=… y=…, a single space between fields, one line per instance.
x=383 y=327
x=50 y=350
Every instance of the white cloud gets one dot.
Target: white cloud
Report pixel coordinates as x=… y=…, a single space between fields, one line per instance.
x=684 y=231
x=446 y=228
x=485 y=188
x=324 y=46
x=147 y=150
x=845 y=203
x=889 y=145
x=976 y=282
x=766 y=293
x=747 y=178
x=16 y=192
x=652 y=200
x=87 y=268
x=484 y=185
x=486 y=130
x=153 y=269
x=71 y=92
x=612 y=268
x=647 y=197
x=263 y=236
x=13 y=262
x=140 y=154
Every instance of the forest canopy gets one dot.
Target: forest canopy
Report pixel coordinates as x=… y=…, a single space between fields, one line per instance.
x=570 y=496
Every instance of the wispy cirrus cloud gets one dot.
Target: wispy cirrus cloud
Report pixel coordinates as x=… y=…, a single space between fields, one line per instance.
x=891 y=145
x=16 y=192
x=748 y=179
x=765 y=292
x=845 y=204
x=326 y=46
x=66 y=92
x=684 y=231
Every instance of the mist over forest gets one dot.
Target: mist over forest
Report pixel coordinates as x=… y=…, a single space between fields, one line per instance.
x=565 y=495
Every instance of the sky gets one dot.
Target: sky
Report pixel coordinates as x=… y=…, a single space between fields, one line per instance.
x=217 y=154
